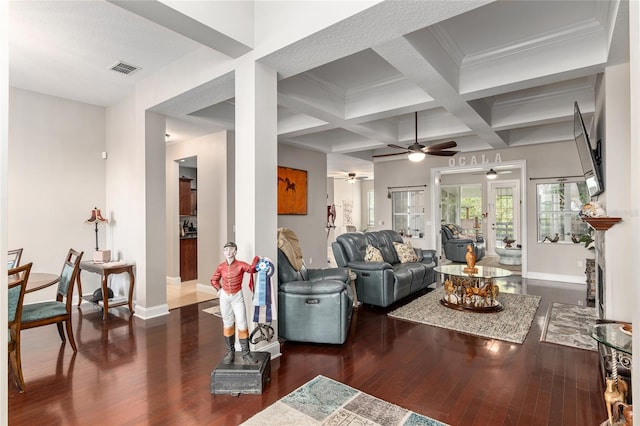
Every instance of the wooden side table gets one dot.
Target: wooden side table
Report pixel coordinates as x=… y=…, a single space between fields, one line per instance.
x=106 y=269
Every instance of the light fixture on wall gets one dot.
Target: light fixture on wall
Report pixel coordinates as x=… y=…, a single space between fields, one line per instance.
x=96 y=218
x=492 y=174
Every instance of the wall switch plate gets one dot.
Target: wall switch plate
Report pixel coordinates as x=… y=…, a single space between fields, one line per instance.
x=580 y=264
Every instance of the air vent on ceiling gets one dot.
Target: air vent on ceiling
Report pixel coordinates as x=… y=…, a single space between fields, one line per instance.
x=123 y=68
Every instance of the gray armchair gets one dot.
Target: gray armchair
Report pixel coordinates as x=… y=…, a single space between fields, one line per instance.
x=455 y=245
x=314 y=305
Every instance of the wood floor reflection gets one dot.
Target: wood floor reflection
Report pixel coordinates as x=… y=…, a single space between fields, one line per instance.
x=157 y=372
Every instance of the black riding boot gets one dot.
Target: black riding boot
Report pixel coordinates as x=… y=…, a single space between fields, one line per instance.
x=246 y=352
x=231 y=349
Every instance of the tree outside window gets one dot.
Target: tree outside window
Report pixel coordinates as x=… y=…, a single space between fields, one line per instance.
x=558 y=208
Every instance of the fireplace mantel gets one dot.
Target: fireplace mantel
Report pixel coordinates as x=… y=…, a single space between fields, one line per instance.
x=601 y=223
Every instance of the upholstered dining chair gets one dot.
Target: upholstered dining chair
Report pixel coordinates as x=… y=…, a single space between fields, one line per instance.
x=14 y=258
x=18 y=278
x=56 y=311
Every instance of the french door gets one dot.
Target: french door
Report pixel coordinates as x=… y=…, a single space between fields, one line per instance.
x=504 y=214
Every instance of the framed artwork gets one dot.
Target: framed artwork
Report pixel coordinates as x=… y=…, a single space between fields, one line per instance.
x=292 y=191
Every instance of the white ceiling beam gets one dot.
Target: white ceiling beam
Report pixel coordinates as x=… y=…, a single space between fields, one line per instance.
x=414 y=64
x=169 y=17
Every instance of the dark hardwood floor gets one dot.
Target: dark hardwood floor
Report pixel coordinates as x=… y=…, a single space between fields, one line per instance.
x=157 y=372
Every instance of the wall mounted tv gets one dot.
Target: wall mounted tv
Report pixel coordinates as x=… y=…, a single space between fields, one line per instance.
x=589 y=156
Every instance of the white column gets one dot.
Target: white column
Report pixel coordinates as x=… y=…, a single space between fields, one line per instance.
x=256 y=159
x=634 y=193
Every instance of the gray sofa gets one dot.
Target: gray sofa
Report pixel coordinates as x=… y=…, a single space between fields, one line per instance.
x=386 y=282
x=455 y=244
x=314 y=305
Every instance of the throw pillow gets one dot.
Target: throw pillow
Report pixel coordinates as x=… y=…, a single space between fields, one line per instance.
x=373 y=254
x=405 y=252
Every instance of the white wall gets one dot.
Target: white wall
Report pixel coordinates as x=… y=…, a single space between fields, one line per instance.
x=619 y=240
x=55 y=177
x=346 y=194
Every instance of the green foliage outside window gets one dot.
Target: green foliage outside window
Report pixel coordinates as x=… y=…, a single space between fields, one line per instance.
x=558 y=208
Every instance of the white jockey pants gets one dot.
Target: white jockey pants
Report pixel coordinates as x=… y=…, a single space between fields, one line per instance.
x=233 y=310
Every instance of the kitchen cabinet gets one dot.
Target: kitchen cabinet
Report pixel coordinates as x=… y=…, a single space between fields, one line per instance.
x=184 y=202
x=188 y=259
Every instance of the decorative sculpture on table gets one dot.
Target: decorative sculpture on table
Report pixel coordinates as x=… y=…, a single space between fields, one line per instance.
x=614 y=393
x=96 y=218
x=470 y=257
x=450 y=290
x=507 y=241
x=227 y=280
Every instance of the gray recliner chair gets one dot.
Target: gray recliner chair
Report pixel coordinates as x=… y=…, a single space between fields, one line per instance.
x=455 y=246
x=314 y=305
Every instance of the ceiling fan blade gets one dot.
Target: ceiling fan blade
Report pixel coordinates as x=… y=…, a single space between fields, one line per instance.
x=440 y=146
x=442 y=153
x=391 y=145
x=389 y=155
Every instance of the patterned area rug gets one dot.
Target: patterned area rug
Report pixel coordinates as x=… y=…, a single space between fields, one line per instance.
x=568 y=325
x=511 y=324
x=323 y=401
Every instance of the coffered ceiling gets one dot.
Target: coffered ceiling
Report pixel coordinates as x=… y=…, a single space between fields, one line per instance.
x=487 y=75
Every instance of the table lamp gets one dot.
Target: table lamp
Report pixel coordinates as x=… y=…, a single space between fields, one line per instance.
x=96 y=218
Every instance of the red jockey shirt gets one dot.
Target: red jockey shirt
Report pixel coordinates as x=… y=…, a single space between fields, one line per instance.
x=231 y=275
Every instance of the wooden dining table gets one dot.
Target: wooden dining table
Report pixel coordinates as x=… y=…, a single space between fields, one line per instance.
x=39 y=280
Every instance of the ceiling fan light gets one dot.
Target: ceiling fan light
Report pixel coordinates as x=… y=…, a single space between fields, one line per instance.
x=491 y=174
x=417 y=156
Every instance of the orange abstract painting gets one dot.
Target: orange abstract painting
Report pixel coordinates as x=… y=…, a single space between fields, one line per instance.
x=292 y=191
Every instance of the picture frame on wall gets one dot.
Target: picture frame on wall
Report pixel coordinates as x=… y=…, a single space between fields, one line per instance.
x=292 y=191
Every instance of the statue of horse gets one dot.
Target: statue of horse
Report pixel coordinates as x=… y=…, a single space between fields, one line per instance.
x=482 y=292
x=449 y=289
x=612 y=395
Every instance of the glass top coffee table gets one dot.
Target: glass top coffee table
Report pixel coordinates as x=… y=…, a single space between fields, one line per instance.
x=472 y=291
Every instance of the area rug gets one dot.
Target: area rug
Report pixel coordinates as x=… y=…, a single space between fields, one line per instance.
x=494 y=261
x=511 y=324
x=568 y=325
x=214 y=310
x=323 y=401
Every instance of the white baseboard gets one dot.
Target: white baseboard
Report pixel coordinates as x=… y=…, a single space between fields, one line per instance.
x=561 y=279
x=173 y=280
x=273 y=348
x=152 y=312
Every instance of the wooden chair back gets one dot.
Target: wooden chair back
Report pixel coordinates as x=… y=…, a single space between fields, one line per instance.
x=45 y=313
x=14 y=258
x=18 y=278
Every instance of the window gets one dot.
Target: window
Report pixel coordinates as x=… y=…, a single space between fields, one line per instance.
x=558 y=208
x=370 y=209
x=462 y=205
x=408 y=212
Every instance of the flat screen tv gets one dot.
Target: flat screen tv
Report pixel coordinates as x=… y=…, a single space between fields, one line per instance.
x=589 y=157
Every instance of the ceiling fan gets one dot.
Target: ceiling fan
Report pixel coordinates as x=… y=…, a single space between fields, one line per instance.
x=352 y=178
x=418 y=151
